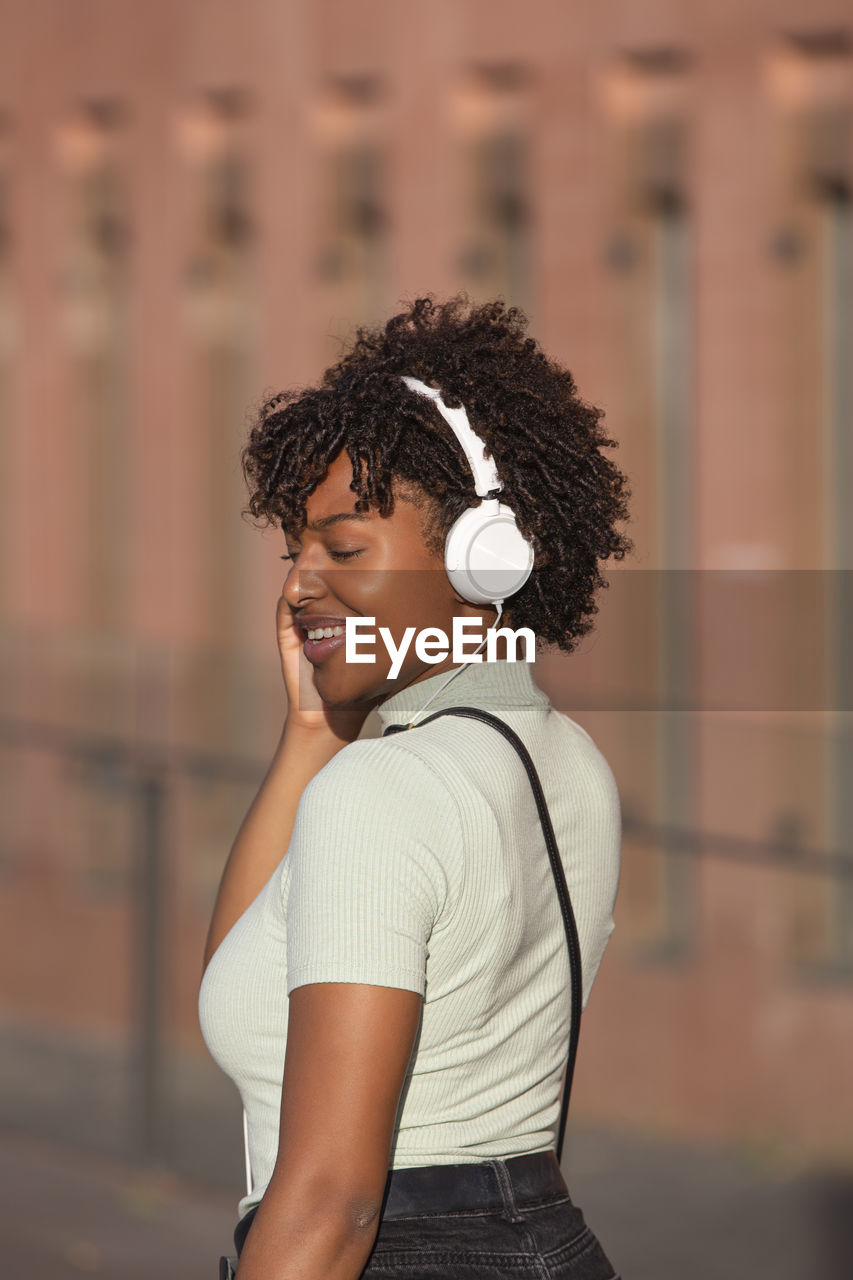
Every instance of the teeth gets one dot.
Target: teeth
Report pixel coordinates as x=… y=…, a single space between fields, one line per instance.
x=324 y=632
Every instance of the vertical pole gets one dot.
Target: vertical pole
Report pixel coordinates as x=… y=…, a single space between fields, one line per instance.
x=148 y=1120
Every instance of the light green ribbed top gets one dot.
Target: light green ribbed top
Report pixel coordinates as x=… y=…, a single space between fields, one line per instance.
x=417 y=860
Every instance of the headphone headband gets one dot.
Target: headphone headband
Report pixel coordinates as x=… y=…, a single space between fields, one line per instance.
x=486 y=479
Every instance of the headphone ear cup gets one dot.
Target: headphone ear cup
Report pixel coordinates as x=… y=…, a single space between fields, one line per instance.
x=486 y=556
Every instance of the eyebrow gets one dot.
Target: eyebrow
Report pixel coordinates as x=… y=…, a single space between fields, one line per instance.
x=325 y=521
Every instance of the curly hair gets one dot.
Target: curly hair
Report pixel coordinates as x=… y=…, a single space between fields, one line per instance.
x=546 y=442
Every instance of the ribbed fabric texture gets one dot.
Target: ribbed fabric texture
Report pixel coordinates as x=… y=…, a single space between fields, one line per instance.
x=418 y=861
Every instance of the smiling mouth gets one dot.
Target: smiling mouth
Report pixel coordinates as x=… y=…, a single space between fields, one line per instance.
x=319 y=633
x=322 y=642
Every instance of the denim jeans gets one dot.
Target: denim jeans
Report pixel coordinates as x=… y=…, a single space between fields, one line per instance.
x=517 y=1219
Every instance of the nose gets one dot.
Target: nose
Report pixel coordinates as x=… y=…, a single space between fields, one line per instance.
x=302 y=586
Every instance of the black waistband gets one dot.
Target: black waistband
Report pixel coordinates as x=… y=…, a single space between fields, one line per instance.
x=490 y=1184
x=438 y=1188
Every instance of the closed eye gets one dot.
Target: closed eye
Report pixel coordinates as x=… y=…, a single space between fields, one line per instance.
x=336 y=555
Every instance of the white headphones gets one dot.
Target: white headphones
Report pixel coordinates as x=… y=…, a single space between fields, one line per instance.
x=486 y=556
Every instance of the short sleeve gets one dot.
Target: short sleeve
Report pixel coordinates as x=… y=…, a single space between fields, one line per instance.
x=367 y=879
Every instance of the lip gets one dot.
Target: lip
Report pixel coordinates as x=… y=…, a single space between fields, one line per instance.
x=318 y=650
x=310 y=621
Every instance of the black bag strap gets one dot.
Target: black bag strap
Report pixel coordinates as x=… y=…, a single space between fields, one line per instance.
x=559 y=879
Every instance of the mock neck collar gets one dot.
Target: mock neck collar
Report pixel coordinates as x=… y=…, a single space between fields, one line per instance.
x=493 y=683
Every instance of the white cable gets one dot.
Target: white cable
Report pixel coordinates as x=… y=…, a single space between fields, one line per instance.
x=246 y=1149
x=455 y=673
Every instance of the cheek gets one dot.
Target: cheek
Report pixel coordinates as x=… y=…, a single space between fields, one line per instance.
x=406 y=584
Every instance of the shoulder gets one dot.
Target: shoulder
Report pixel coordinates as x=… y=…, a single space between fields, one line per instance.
x=375 y=831
x=381 y=780
x=586 y=765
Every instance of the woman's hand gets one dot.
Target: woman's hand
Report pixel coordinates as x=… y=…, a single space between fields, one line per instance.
x=305 y=708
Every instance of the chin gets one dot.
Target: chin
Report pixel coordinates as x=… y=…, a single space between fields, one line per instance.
x=339 y=689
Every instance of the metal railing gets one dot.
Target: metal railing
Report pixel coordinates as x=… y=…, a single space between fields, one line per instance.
x=145 y=771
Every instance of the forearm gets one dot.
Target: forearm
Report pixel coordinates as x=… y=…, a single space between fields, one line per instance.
x=292 y=1239
x=265 y=832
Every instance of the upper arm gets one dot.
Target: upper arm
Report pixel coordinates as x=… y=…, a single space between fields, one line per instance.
x=348 y=1050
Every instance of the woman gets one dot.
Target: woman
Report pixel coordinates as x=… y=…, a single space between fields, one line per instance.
x=385 y=973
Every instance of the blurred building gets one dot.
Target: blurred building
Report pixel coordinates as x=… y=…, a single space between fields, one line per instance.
x=198 y=203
